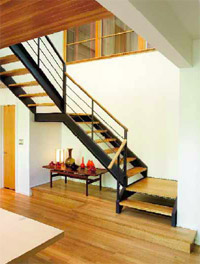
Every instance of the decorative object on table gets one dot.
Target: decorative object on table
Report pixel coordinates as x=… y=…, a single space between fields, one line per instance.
x=58 y=165
x=52 y=164
x=74 y=167
x=69 y=161
x=82 y=164
x=89 y=164
x=60 y=155
x=92 y=169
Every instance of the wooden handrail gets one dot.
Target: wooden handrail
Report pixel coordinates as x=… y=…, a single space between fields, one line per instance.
x=82 y=89
x=117 y=154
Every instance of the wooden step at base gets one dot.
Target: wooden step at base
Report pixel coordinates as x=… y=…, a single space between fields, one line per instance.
x=41 y=105
x=129 y=159
x=135 y=171
x=24 y=84
x=8 y=59
x=98 y=141
x=96 y=131
x=33 y=95
x=17 y=72
x=111 y=150
x=156 y=187
x=148 y=207
x=88 y=123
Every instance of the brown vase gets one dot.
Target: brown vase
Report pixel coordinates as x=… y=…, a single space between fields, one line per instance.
x=69 y=161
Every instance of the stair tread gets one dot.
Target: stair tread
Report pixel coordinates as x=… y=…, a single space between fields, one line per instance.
x=105 y=140
x=33 y=95
x=148 y=207
x=96 y=131
x=85 y=122
x=8 y=59
x=111 y=150
x=16 y=72
x=129 y=159
x=42 y=104
x=154 y=186
x=135 y=171
x=32 y=83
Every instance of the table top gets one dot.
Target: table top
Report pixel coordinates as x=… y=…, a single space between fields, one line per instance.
x=79 y=171
x=21 y=237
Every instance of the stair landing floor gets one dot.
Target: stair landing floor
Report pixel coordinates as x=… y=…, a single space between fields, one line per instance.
x=156 y=187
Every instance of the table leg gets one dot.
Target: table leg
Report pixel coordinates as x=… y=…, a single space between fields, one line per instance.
x=51 y=183
x=100 y=182
x=65 y=179
x=87 y=187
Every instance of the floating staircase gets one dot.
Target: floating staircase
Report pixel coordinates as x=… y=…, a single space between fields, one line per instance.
x=52 y=87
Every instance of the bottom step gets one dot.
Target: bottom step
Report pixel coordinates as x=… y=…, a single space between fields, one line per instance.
x=148 y=207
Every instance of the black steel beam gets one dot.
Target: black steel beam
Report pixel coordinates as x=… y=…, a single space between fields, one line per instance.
x=38 y=74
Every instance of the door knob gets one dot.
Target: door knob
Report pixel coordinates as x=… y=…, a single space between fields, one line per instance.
x=5 y=153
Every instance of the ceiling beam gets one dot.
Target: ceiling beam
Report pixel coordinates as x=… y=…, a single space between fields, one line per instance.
x=155 y=22
x=27 y=19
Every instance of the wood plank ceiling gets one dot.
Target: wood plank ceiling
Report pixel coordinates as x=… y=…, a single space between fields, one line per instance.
x=22 y=20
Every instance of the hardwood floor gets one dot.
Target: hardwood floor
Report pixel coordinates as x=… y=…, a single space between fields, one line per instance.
x=94 y=234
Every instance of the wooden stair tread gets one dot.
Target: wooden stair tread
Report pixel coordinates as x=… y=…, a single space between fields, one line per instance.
x=33 y=95
x=105 y=140
x=88 y=122
x=96 y=131
x=111 y=150
x=129 y=159
x=32 y=83
x=148 y=207
x=16 y=72
x=135 y=171
x=157 y=187
x=42 y=104
x=8 y=59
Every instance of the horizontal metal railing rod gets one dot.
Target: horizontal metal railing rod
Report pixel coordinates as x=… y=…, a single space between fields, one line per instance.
x=53 y=47
x=117 y=154
x=117 y=121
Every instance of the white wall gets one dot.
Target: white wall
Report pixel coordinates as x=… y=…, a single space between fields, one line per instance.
x=142 y=91
x=44 y=139
x=189 y=151
x=22 y=132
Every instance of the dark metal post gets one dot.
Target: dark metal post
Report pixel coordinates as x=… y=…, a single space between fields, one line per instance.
x=118 y=206
x=118 y=186
x=92 y=119
x=64 y=88
x=38 y=52
x=125 y=158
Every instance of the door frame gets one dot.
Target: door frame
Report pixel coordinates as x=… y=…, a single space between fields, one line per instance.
x=2 y=145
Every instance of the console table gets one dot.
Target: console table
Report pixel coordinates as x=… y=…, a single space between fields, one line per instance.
x=81 y=174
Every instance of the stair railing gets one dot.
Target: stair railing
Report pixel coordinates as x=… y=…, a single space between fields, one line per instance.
x=116 y=158
x=50 y=61
x=123 y=147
